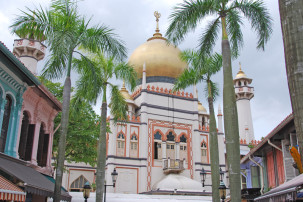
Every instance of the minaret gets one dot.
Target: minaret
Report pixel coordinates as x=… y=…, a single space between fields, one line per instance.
x=29 y=51
x=220 y=120
x=244 y=93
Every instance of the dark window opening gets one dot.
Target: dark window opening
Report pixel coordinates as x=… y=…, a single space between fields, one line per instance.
x=155 y=150
x=183 y=139
x=40 y=146
x=23 y=136
x=5 y=123
x=157 y=136
x=29 y=142
x=170 y=137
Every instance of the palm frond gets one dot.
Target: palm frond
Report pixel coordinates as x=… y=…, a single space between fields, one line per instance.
x=209 y=37
x=213 y=64
x=187 y=78
x=102 y=38
x=32 y=24
x=55 y=67
x=118 y=104
x=214 y=90
x=186 y=16
x=90 y=84
x=234 y=23
x=261 y=22
x=127 y=73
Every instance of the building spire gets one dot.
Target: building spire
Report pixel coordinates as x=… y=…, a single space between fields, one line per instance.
x=157 y=15
x=240 y=66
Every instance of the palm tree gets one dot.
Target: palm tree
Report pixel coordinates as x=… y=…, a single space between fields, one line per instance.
x=94 y=82
x=202 y=68
x=65 y=31
x=226 y=13
x=291 y=14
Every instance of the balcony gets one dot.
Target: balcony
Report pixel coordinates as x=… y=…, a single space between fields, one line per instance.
x=173 y=166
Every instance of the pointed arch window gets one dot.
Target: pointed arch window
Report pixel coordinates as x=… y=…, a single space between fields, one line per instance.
x=134 y=146
x=204 y=158
x=120 y=144
x=183 y=147
x=78 y=184
x=157 y=146
x=5 y=122
x=170 y=145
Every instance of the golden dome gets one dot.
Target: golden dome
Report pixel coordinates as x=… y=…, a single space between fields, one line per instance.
x=200 y=107
x=125 y=93
x=160 y=58
x=240 y=74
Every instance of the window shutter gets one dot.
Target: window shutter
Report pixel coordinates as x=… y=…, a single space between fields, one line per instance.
x=289 y=170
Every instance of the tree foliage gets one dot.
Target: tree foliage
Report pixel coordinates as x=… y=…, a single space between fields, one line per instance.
x=83 y=128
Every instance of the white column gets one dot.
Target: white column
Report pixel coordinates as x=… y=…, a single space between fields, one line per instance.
x=163 y=150
x=177 y=150
x=36 y=142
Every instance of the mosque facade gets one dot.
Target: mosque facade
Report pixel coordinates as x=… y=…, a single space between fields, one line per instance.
x=164 y=144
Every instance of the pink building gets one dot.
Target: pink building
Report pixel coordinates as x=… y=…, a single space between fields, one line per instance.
x=39 y=109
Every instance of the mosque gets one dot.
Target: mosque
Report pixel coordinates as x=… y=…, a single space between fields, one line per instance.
x=164 y=145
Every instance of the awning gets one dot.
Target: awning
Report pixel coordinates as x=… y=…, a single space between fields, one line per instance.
x=34 y=182
x=9 y=191
x=284 y=192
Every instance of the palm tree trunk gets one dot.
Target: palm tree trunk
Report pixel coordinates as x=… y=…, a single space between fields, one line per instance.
x=230 y=120
x=214 y=153
x=62 y=139
x=101 y=161
x=63 y=133
x=291 y=13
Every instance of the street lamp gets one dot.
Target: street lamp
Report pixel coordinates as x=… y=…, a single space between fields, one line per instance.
x=222 y=191
x=114 y=175
x=86 y=191
x=203 y=176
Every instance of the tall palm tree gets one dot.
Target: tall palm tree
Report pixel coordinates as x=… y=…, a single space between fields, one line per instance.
x=291 y=14
x=227 y=15
x=95 y=76
x=65 y=31
x=202 y=68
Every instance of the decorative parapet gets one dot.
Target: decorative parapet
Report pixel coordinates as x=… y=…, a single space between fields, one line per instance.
x=203 y=128
x=156 y=89
x=129 y=119
x=253 y=142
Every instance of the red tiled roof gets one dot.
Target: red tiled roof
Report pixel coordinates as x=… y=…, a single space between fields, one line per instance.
x=272 y=133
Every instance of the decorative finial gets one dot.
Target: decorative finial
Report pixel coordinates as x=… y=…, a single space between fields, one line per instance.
x=123 y=86
x=240 y=66
x=157 y=15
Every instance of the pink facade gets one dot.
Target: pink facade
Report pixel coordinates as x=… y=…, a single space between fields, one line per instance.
x=36 y=128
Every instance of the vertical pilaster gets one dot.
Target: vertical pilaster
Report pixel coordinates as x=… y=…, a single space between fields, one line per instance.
x=177 y=150
x=35 y=143
x=11 y=148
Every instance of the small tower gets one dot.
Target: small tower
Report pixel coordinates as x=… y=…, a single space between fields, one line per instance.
x=29 y=51
x=244 y=93
x=220 y=120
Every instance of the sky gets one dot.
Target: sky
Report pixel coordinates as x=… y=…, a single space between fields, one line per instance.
x=134 y=22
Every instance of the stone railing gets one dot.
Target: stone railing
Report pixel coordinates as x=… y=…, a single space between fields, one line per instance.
x=173 y=165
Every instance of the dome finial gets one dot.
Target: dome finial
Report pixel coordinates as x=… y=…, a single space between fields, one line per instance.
x=157 y=15
x=240 y=66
